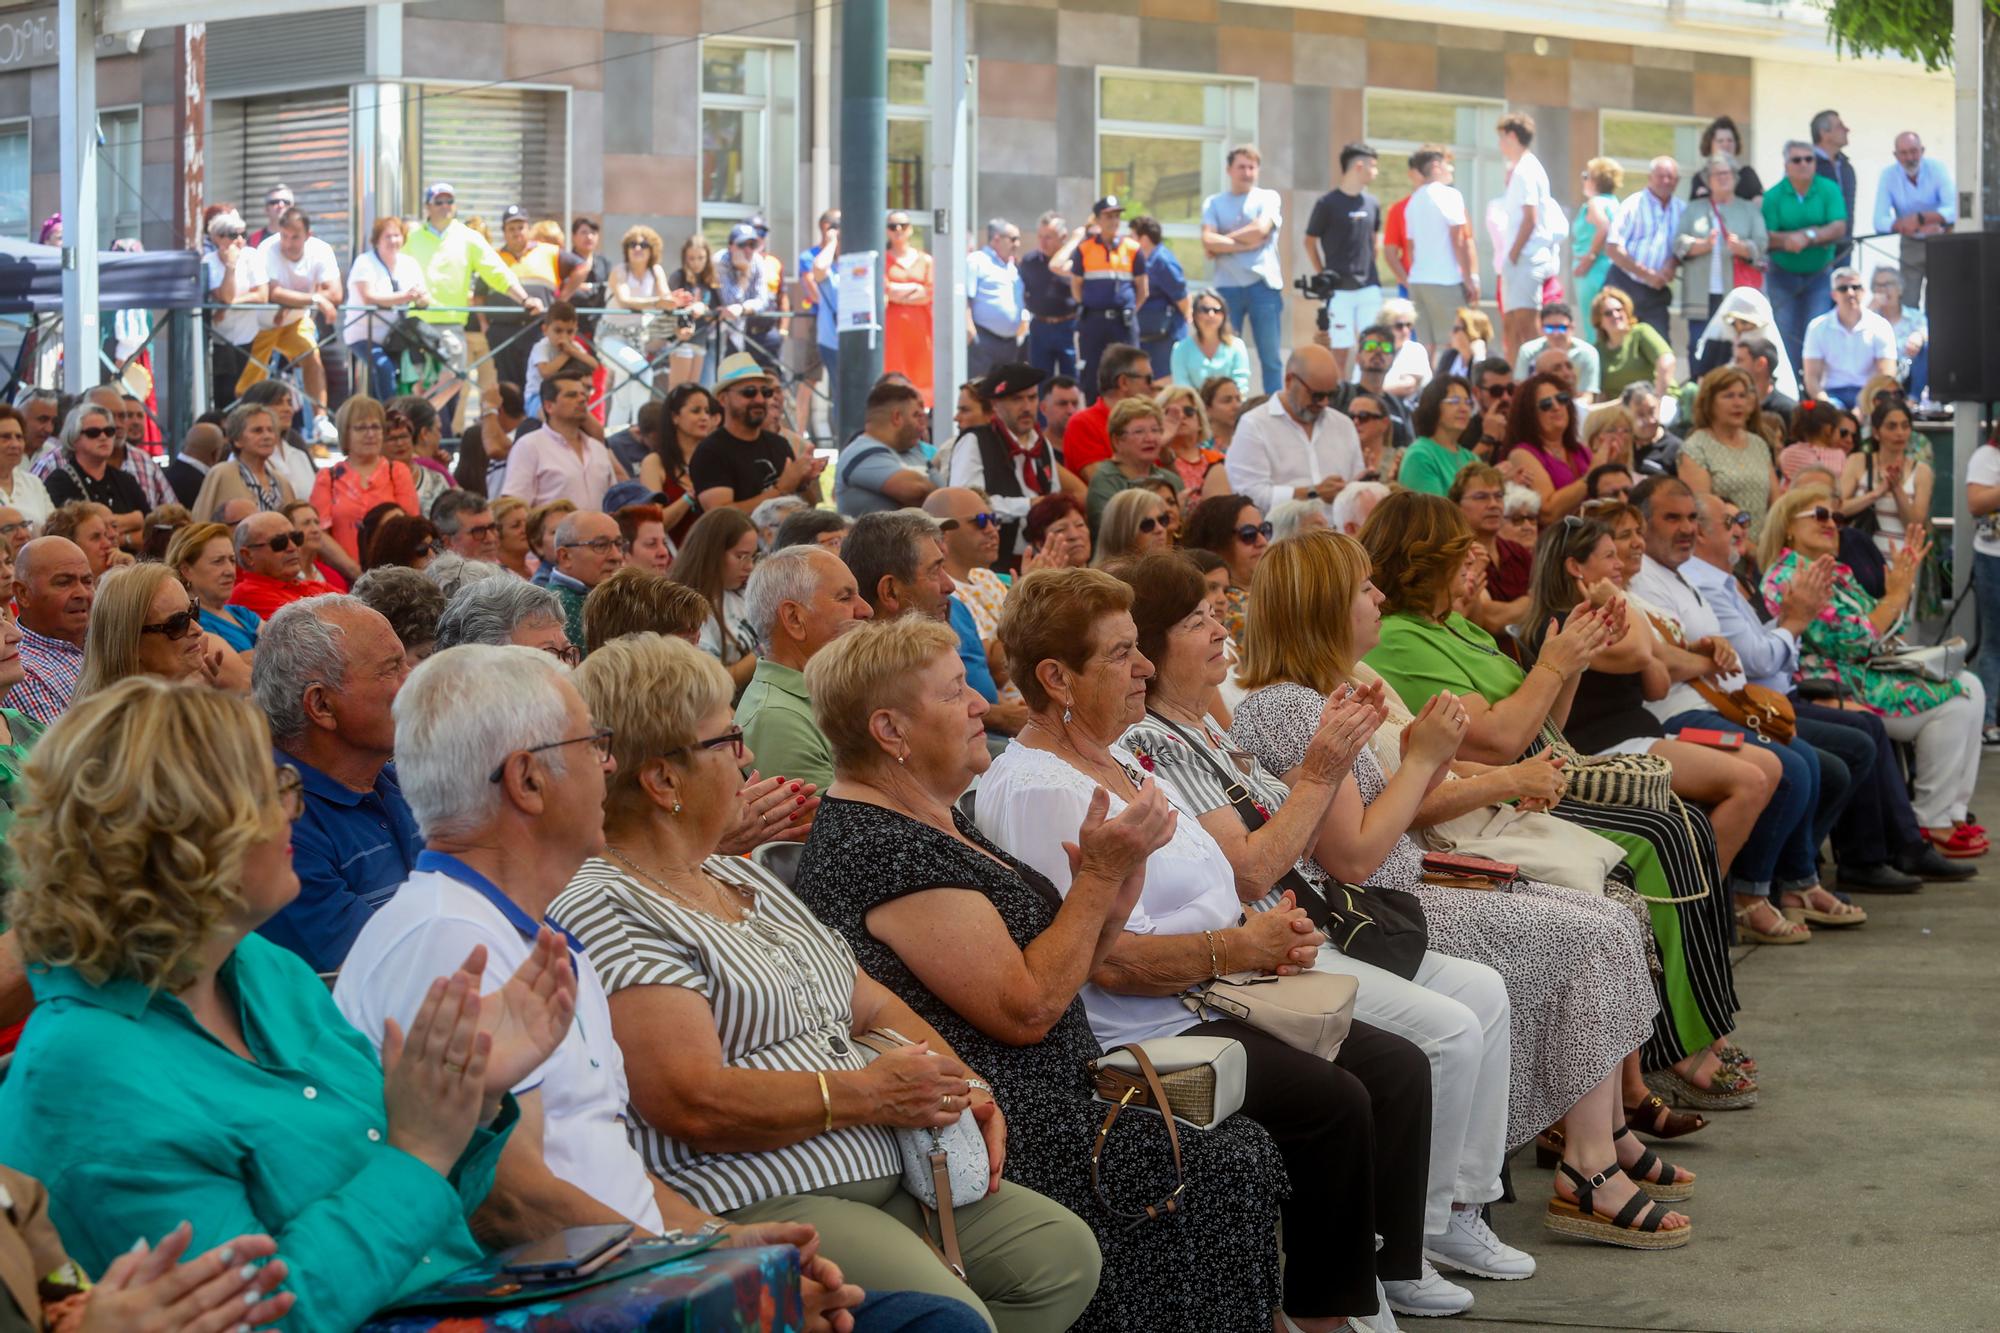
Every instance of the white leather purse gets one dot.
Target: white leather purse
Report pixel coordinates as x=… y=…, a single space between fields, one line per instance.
x=942 y=1168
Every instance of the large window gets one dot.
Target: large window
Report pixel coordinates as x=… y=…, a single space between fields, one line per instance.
x=1399 y=123
x=1633 y=139
x=749 y=133
x=1161 y=143
x=16 y=179
x=119 y=210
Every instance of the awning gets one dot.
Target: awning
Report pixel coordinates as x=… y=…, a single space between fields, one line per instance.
x=31 y=279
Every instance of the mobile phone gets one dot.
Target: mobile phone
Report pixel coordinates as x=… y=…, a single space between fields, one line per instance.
x=1719 y=740
x=571 y=1253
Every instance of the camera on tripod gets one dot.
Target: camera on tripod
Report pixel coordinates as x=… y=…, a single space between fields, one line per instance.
x=1319 y=289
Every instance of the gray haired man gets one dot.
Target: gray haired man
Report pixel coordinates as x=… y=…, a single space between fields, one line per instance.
x=465 y=521
x=997 y=317
x=801 y=599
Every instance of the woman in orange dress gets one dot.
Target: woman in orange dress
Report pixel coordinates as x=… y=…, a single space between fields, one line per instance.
x=906 y=322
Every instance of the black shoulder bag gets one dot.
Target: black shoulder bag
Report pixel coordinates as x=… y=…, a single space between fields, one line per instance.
x=1384 y=928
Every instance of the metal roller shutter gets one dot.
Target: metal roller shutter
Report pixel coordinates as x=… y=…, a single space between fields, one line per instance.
x=300 y=48
x=495 y=147
x=303 y=140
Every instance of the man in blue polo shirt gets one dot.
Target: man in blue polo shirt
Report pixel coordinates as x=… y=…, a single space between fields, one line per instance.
x=996 y=321
x=327 y=671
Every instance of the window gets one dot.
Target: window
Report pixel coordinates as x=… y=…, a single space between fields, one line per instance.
x=1633 y=139
x=1399 y=123
x=749 y=131
x=1161 y=141
x=15 y=180
x=119 y=210
x=910 y=143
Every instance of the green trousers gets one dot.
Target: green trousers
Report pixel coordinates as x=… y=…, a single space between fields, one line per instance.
x=1032 y=1264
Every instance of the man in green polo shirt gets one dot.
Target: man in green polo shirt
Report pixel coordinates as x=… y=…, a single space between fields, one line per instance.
x=801 y=599
x=1805 y=216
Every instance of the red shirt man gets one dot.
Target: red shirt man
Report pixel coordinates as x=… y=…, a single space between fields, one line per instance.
x=268 y=555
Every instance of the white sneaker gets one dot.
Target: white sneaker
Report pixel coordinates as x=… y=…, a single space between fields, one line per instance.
x=1427 y=1296
x=1469 y=1246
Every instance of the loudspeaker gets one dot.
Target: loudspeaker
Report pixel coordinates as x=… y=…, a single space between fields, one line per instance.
x=1961 y=296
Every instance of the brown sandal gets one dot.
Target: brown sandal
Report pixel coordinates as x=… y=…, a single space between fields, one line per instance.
x=1654 y=1118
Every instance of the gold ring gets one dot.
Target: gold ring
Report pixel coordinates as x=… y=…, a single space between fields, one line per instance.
x=945 y=1101
x=456 y=1070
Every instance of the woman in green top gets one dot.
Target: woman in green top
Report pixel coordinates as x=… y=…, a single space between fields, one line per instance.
x=180 y=1066
x=1138 y=432
x=1629 y=352
x=1417 y=545
x=1435 y=458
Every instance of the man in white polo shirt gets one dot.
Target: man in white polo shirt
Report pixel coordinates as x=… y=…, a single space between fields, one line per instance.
x=1297 y=446
x=1847 y=345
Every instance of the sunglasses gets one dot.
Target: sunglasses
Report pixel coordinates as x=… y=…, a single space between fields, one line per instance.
x=733 y=738
x=1210 y=310
x=979 y=521
x=1320 y=397
x=899 y=226
x=756 y=391
x=175 y=627
x=1739 y=521
x=1796 y=160
x=1374 y=345
x=1153 y=524
x=1848 y=287
x=1555 y=328
x=1366 y=417
x=97 y=432
x=1250 y=532
x=600 y=740
x=1402 y=324
x=1544 y=404
x=282 y=541
x=1818 y=514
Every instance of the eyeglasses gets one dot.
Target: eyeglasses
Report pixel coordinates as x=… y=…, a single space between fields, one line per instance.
x=482 y=530
x=1250 y=532
x=600 y=740
x=733 y=738
x=1376 y=345
x=365 y=428
x=569 y=654
x=1454 y=400
x=1848 y=287
x=979 y=521
x=9 y=529
x=97 y=432
x=601 y=545
x=1366 y=417
x=175 y=627
x=1558 y=400
x=291 y=792
x=281 y=542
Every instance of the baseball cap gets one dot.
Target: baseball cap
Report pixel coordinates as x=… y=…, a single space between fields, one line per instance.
x=740 y=368
x=437 y=188
x=511 y=212
x=756 y=221
x=742 y=232
x=1108 y=204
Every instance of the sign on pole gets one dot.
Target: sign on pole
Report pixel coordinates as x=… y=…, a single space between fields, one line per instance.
x=854 y=290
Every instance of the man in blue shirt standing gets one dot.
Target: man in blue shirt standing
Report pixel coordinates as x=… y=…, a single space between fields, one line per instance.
x=327 y=672
x=1829 y=138
x=1163 y=319
x=1239 y=230
x=994 y=294
x=1046 y=296
x=1915 y=199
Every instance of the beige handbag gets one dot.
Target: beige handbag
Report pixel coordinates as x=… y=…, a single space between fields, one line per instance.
x=1201 y=1077
x=1546 y=847
x=1311 y=1011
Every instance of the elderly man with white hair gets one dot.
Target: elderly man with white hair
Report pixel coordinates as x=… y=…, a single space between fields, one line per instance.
x=1295 y=516
x=1353 y=505
x=1641 y=244
x=507 y=611
x=271 y=554
x=801 y=599
x=589 y=549
x=1847 y=345
x=327 y=671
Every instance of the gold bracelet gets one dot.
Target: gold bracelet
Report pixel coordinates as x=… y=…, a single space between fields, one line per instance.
x=1214 y=968
x=1222 y=942
x=1561 y=679
x=826 y=1100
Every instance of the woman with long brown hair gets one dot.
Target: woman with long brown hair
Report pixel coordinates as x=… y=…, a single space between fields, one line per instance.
x=716 y=561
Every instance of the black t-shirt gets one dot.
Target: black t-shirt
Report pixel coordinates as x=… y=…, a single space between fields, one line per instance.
x=1345 y=226
x=117 y=490
x=746 y=467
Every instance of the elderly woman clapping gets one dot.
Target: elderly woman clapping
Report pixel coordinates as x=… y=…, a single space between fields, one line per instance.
x=737 y=1012
x=987 y=951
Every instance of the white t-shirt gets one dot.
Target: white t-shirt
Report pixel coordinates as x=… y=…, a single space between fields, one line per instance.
x=363 y=326
x=1433 y=213
x=316 y=265
x=1528 y=184
x=1850 y=354
x=1982 y=469
x=235 y=325
x=425 y=931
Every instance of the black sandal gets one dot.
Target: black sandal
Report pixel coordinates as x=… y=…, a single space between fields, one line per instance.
x=1637 y=1226
x=1654 y=1117
x=1655 y=1175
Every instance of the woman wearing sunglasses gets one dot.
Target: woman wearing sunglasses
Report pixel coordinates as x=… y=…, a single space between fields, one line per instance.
x=143 y=623
x=1211 y=348
x=1547 y=456
x=1380 y=458
x=1237 y=531
x=1187 y=450
x=1629 y=352
x=1725 y=454
x=1134 y=523
x=1942 y=718
x=907 y=290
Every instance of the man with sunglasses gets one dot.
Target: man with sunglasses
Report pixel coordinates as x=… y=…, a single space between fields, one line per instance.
x=1805 y=216
x=1297 y=446
x=743 y=463
x=1493 y=384
x=1559 y=332
x=1108 y=280
x=1847 y=345
x=271 y=556
x=1375 y=351
x=451 y=255
x=971 y=545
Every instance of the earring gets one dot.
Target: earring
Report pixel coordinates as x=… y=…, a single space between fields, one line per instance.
x=1065 y=715
x=677 y=807
x=903 y=758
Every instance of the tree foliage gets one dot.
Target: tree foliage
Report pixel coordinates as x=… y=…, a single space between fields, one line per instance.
x=1919 y=30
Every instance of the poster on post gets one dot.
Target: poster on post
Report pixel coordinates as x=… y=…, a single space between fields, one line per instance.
x=855 y=292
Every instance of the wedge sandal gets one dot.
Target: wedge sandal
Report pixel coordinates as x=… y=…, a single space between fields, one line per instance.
x=1732 y=1090
x=1791 y=933
x=1636 y=1227
x=1802 y=911
x=1654 y=1174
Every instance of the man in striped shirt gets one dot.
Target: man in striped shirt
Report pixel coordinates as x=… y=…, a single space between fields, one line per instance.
x=1641 y=244
x=54 y=588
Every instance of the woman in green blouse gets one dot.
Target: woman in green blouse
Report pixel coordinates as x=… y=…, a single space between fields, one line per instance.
x=1631 y=352
x=1417 y=546
x=1434 y=460
x=180 y=1066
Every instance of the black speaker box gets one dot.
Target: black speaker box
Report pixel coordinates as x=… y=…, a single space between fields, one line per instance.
x=1962 y=300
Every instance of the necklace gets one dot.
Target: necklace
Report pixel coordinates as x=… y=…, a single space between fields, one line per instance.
x=1452 y=630
x=722 y=904
x=1084 y=762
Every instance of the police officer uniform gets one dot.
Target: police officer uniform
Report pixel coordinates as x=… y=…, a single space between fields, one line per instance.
x=1110 y=301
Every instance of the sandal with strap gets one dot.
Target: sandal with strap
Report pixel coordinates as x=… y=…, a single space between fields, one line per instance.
x=1653 y=1116
x=1729 y=1089
x=1654 y=1174
x=1735 y=1057
x=1803 y=910
x=1961 y=844
x=1636 y=1227
x=1788 y=932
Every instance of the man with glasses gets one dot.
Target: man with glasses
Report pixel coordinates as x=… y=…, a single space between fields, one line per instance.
x=996 y=321
x=1008 y=461
x=884 y=467
x=1375 y=351
x=271 y=559
x=1340 y=241
x=1641 y=244
x=276 y=201
x=1109 y=283
x=1124 y=372
x=743 y=463
x=326 y=675
x=590 y=548
x=466 y=524
x=1847 y=345
x=1559 y=332
x=1806 y=217
x=15 y=531
x=561 y=460
x=971 y=545
x=1297 y=446
x=800 y=599
x=1239 y=231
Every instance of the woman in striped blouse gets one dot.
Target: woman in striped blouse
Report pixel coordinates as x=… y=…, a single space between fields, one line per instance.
x=736 y=1011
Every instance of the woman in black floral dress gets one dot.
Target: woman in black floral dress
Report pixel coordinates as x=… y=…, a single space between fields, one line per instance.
x=896 y=858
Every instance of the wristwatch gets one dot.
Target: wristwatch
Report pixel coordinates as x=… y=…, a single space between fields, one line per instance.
x=1812 y=235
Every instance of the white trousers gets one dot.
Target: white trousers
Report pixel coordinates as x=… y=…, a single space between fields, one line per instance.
x=1947 y=741
x=1456 y=1012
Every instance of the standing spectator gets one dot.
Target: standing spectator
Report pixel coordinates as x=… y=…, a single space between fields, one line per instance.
x=1602 y=179
x=995 y=319
x=1983 y=495
x=1340 y=240
x=697 y=290
x=1296 y=446
x=304 y=276
x=1805 y=218
x=561 y=461
x=381 y=283
x=907 y=291
x=1641 y=244
x=1164 y=316
x=1559 y=332
x=1444 y=268
x=276 y=201
x=1528 y=257
x=54 y=589
x=1722 y=136
x=748 y=325
x=1829 y=136
x=1847 y=345
x=884 y=468
x=1211 y=348
x=1717 y=236
x=1915 y=199
x=635 y=329
x=450 y=255
x=808 y=364
x=1050 y=304
x=1913 y=330
x=558 y=353
x=232 y=275
x=1109 y=284
x=1239 y=230
x=536 y=266
x=1396 y=250
x=744 y=464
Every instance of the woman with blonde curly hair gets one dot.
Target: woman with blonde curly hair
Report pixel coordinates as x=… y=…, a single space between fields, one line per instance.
x=180 y=1066
x=1187 y=450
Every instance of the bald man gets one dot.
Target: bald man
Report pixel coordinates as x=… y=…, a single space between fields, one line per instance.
x=1297 y=446
x=201 y=450
x=53 y=587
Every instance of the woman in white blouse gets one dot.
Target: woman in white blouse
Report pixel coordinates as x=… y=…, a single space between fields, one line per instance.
x=20 y=489
x=737 y=1011
x=382 y=283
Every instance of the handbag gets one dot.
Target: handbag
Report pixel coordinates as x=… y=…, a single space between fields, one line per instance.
x=1311 y=1011
x=1382 y=927
x=942 y=1168
x=1200 y=1080
x=1766 y=712
x=1547 y=847
x=1742 y=273
x=1636 y=781
x=1940 y=662
x=1130 y=1071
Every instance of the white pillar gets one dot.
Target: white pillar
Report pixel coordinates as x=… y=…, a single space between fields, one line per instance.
x=951 y=222
x=76 y=85
x=1969 y=61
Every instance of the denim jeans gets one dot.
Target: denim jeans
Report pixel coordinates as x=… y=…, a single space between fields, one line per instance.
x=1264 y=307
x=1052 y=346
x=382 y=369
x=1780 y=854
x=1986 y=590
x=1796 y=300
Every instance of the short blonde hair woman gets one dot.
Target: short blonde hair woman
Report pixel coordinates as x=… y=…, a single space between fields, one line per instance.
x=142 y=623
x=1614 y=424
x=91 y=526
x=1138 y=433
x=1134 y=522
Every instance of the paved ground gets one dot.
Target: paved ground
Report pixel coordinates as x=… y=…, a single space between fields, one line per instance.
x=1860 y=1193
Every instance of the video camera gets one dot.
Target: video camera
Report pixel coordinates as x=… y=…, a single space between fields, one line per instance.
x=1319 y=289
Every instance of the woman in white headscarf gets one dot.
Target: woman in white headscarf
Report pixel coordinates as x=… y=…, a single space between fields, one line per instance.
x=1744 y=313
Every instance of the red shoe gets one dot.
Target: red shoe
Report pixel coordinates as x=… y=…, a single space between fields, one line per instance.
x=1960 y=845
x=1980 y=829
